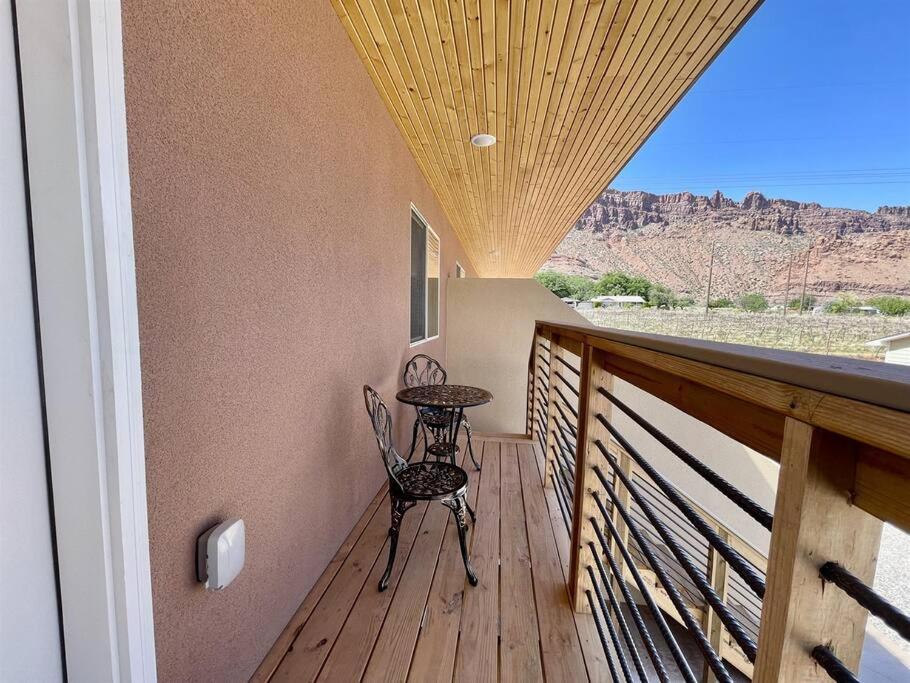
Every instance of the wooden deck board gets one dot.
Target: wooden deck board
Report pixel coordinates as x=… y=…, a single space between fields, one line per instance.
x=434 y=657
x=595 y=659
x=353 y=646
x=477 y=658
x=318 y=636
x=430 y=625
x=559 y=645
x=279 y=650
x=520 y=644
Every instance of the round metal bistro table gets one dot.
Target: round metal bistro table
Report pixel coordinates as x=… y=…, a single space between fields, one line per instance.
x=451 y=399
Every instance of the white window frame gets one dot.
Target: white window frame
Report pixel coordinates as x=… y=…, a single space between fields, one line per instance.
x=71 y=55
x=426 y=303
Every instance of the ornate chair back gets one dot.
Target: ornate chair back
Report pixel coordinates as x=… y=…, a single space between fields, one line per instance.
x=381 y=419
x=422 y=370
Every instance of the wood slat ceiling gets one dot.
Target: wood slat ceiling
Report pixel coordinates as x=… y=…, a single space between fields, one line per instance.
x=570 y=89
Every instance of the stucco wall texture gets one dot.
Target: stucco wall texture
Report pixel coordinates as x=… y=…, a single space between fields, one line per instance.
x=271 y=195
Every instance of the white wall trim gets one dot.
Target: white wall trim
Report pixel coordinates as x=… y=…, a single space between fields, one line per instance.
x=72 y=81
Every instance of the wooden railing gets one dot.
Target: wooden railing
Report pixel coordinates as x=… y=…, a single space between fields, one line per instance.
x=840 y=430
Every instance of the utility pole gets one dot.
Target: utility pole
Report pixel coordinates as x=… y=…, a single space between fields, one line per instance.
x=802 y=298
x=787 y=291
x=710 y=277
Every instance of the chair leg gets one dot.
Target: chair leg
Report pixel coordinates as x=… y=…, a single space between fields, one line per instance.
x=399 y=507
x=413 y=439
x=457 y=506
x=467 y=428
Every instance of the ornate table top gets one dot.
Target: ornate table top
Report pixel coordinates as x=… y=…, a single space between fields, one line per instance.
x=445 y=396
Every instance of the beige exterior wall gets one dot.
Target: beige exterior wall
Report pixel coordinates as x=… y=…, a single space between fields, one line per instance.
x=271 y=195
x=491 y=323
x=898 y=352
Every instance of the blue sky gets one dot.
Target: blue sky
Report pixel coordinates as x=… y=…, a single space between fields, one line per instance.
x=810 y=101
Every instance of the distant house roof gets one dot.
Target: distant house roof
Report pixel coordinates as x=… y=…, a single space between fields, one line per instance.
x=887 y=340
x=619 y=299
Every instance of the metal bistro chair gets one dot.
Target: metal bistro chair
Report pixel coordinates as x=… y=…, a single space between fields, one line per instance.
x=423 y=370
x=410 y=483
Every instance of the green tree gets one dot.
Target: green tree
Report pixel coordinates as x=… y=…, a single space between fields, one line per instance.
x=753 y=302
x=661 y=296
x=574 y=286
x=722 y=302
x=555 y=282
x=844 y=303
x=808 y=303
x=891 y=305
x=581 y=287
x=617 y=283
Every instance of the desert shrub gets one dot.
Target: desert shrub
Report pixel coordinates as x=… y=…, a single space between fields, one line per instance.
x=661 y=296
x=844 y=303
x=722 y=302
x=753 y=302
x=808 y=303
x=890 y=305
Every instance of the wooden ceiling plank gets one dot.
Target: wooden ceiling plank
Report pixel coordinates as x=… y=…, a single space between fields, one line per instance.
x=592 y=34
x=388 y=77
x=695 y=42
x=391 y=17
x=658 y=111
x=668 y=27
x=488 y=22
x=473 y=103
x=552 y=22
x=430 y=57
x=623 y=115
x=631 y=45
x=569 y=89
x=458 y=118
x=525 y=66
x=506 y=98
x=475 y=68
x=502 y=10
x=391 y=97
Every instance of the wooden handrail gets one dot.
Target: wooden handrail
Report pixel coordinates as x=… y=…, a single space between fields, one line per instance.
x=840 y=429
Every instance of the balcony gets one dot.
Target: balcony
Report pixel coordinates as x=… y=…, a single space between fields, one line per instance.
x=595 y=564
x=274 y=159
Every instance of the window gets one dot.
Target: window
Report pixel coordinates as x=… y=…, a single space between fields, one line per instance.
x=424 y=280
x=459 y=271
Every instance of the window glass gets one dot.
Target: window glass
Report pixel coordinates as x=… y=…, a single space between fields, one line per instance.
x=425 y=268
x=418 y=279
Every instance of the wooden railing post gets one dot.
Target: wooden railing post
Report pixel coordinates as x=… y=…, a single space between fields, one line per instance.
x=532 y=385
x=814 y=522
x=591 y=402
x=556 y=351
x=717 y=576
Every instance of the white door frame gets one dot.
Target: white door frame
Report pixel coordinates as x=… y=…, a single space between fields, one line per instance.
x=71 y=58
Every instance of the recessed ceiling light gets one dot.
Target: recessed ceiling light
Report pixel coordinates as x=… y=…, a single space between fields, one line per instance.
x=483 y=140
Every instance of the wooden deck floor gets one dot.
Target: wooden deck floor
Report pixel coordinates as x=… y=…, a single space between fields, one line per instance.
x=431 y=625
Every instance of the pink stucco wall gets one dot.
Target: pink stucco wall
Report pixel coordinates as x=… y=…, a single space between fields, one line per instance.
x=271 y=196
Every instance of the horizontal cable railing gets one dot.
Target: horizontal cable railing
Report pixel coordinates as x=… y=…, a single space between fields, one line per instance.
x=633 y=528
x=891 y=615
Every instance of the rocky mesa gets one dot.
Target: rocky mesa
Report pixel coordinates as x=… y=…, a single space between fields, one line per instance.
x=759 y=244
